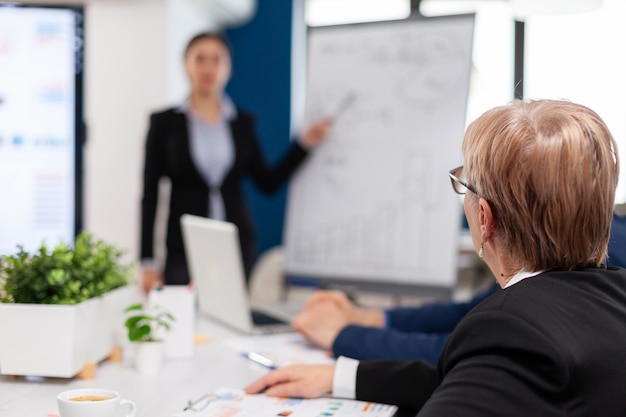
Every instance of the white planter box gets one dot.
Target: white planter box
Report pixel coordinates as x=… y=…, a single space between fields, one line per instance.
x=109 y=322
x=59 y=340
x=46 y=340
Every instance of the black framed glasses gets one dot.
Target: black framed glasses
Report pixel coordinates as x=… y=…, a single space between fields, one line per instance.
x=458 y=185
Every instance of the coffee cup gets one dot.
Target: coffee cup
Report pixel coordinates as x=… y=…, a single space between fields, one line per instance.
x=93 y=402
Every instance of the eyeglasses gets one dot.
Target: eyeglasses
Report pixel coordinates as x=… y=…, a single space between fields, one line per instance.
x=458 y=185
x=201 y=403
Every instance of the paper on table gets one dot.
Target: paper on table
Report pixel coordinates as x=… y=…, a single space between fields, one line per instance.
x=283 y=349
x=235 y=403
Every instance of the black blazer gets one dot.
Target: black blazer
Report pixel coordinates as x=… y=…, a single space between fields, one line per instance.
x=167 y=154
x=550 y=345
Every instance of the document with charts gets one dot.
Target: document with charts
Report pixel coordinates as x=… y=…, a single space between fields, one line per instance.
x=235 y=403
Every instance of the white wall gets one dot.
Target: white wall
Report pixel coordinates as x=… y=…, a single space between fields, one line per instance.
x=125 y=76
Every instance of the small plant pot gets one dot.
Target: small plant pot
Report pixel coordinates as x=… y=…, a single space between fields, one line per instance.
x=149 y=357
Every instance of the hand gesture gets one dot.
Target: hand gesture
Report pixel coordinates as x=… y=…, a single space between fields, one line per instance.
x=316 y=133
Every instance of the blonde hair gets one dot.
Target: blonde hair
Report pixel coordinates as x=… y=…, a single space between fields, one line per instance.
x=549 y=170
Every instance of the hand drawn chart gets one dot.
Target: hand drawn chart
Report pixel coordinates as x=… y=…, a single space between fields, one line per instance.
x=373 y=201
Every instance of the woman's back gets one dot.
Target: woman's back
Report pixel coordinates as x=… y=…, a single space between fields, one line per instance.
x=550 y=345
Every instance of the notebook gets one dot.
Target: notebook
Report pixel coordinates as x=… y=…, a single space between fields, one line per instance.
x=216 y=269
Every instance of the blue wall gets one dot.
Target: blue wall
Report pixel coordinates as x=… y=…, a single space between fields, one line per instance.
x=261 y=85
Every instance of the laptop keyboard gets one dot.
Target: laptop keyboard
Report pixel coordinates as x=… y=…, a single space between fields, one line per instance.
x=259 y=318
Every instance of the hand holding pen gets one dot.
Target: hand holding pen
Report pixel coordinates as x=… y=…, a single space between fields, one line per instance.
x=319 y=130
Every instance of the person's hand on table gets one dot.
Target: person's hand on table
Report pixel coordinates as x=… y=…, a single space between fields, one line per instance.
x=321 y=323
x=354 y=314
x=304 y=381
x=337 y=297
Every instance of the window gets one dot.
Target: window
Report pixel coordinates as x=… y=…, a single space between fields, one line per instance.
x=580 y=57
x=332 y=12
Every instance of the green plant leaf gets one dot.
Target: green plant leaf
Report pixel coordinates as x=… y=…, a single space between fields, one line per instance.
x=142 y=324
x=133 y=307
x=63 y=275
x=140 y=333
x=136 y=321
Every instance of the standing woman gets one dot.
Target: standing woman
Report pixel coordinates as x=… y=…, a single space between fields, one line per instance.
x=205 y=147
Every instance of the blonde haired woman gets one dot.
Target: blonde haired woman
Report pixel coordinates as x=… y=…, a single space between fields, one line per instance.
x=539 y=181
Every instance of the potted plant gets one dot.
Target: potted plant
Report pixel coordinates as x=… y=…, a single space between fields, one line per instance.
x=58 y=307
x=145 y=326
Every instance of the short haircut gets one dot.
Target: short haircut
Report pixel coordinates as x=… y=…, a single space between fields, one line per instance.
x=216 y=36
x=548 y=169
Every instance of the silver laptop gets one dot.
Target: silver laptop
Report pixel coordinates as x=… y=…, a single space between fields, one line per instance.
x=216 y=269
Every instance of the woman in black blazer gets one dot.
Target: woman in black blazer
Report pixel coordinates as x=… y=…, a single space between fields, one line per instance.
x=205 y=147
x=539 y=182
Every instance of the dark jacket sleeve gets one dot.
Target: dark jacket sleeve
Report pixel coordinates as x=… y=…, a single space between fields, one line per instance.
x=414 y=333
x=406 y=384
x=368 y=343
x=269 y=178
x=617 y=242
x=154 y=167
x=439 y=317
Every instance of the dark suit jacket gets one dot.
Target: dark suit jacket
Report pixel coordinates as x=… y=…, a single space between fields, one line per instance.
x=550 y=345
x=168 y=154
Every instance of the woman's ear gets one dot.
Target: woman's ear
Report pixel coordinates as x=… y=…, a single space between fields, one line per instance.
x=486 y=219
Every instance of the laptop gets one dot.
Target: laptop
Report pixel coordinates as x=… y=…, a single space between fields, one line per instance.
x=216 y=269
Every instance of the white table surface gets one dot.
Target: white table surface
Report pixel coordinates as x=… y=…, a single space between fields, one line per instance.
x=213 y=365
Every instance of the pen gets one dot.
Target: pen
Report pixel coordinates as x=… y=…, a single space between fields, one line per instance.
x=261 y=360
x=343 y=106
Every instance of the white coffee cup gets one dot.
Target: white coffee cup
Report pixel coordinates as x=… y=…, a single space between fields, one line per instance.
x=93 y=402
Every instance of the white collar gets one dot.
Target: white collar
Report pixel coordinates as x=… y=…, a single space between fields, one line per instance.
x=521 y=275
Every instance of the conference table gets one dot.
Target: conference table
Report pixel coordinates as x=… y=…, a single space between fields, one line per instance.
x=213 y=365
